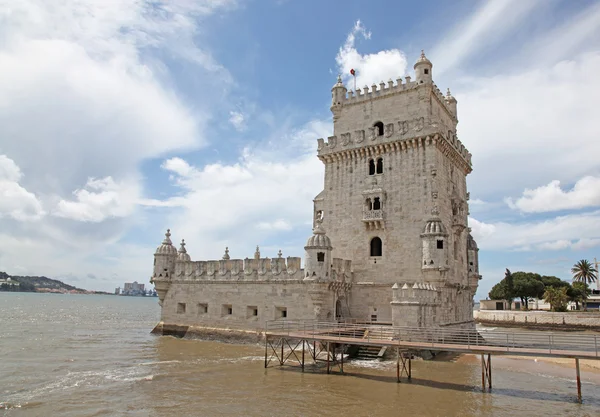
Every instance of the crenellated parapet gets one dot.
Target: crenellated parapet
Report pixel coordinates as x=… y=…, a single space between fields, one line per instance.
x=416 y=293
x=342 y=269
x=249 y=269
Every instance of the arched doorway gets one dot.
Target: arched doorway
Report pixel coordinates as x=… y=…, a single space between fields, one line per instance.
x=338 y=310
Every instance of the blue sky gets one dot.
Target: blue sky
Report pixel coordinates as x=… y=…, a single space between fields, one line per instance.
x=120 y=118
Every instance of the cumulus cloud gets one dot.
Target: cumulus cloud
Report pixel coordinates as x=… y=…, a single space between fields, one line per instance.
x=585 y=193
x=576 y=231
x=370 y=68
x=15 y=201
x=100 y=199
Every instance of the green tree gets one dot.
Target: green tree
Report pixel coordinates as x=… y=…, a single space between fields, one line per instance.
x=509 y=294
x=527 y=286
x=583 y=271
x=557 y=298
x=498 y=291
x=579 y=294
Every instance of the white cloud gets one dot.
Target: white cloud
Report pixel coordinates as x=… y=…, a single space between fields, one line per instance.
x=278 y=224
x=370 y=68
x=267 y=191
x=484 y=27
x=238 y=120
x=537 y=125
x=585 y=193
x=576 y=231
x=15 y=201
x=103 y=198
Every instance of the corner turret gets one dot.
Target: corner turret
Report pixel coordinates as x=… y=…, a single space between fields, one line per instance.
x=182 y=254
x=451 y=103
x=164 y=266
x=473 y=260
x=434 y=240
x=317 y=258
x=423 y=68
x=338 y=96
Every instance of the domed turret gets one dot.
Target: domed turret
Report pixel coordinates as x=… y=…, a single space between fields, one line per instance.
x=434 y=241
x=318 y=254
x=338 y=96
x=451 y=103
x=423 y=68
x=183 y=255
x=473 y=259
x=166 y=247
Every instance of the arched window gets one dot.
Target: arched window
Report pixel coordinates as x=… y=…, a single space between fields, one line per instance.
x=379 y=128
x=320 y=256
x=376 y=247
x=371 y=167
x=377 y=204
x=380 y=165
x=369 y=204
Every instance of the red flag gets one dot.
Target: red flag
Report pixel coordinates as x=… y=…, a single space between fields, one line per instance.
x=352 y=71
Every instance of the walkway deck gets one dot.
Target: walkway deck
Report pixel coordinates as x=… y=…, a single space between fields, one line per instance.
x=331 y=336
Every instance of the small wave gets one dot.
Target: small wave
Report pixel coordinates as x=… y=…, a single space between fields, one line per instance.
x=372 y=364
x=157 y=362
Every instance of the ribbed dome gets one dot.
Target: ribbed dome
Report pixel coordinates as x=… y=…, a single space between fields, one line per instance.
x=319 y=239
x=449 y=96
x=471 y=244
x=183 y=255
x=166 y=248
x=422 y=60
x=434 y=226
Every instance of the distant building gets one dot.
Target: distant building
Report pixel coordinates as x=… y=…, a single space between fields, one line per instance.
x=133 y=288
x=118 y=291
x=8 y=282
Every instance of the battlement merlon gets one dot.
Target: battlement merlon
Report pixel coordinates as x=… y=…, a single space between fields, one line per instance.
x=240 y=269
x=350 y=98
x=401 y=136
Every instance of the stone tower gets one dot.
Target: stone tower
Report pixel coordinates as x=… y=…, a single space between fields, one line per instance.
x=395 y=198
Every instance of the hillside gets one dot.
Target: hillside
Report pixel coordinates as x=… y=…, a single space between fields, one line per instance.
x=38 y=284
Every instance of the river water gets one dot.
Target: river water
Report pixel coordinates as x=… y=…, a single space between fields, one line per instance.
x=85 y=355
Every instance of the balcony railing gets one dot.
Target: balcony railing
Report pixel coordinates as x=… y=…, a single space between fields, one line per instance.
x=372 y=215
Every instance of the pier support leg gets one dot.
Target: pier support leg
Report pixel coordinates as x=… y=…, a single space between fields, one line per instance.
x=266 y=349
x=328 y=353
x=409 y=366
x=579 y=399
x=397 y=365
x=342 y=359
x=281 y=358
x=486 y=372
x=303 y=356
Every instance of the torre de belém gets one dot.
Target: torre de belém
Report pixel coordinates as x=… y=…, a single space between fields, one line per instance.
x=390 y=241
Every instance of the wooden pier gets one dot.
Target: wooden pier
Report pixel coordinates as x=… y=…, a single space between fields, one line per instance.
x=330 y=339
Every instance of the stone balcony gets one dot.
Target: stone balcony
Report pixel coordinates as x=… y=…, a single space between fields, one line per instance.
x=373 y=219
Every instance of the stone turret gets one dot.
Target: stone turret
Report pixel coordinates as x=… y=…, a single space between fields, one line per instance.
x=473 y=261
x=423 y=68
x=451 y=103
x=164 y=266
x=434 y=242
x=182 y=255
x=338 y=96
x=318 y=254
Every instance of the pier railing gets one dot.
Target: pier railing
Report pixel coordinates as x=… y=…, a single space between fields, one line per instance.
x=516 y=342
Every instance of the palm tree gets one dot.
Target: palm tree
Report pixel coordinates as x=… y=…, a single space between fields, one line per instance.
x=583 y=271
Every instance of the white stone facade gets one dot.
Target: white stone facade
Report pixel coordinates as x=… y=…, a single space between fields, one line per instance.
x=391 y=241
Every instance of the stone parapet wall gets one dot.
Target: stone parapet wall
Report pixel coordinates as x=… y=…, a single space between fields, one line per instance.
x=538 y=318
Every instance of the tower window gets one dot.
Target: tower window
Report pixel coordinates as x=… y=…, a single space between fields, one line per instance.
x=379 y=128
x=371 y=167
x=369 y=204
x=320 y=256
x=440 y=244
x=377 y=204
x=380 y=165
x=376 y=246
x=426 y=71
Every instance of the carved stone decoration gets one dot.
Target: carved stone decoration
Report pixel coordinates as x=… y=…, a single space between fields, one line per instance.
x=320 y=144
x=359 y=136
x=419 y=124
x=372 y=133
x=433 y=172
x=434 y=194
x=346 y=139
x=389 y=130
x=332 y=141
x=435 y=211
x=403 y=127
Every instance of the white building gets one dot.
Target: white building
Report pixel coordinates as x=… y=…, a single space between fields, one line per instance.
x=390 y=241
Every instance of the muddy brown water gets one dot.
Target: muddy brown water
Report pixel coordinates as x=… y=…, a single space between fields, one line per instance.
x=77 y=355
